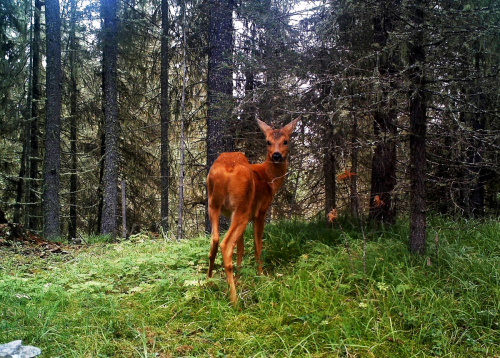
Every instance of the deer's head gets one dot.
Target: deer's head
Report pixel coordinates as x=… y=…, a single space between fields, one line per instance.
x=278 y=140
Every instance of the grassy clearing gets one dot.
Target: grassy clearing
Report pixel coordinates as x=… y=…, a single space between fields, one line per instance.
x=151 y=298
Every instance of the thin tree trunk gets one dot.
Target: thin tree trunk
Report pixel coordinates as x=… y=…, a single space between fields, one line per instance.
x=355 y=202
x=100 y=190
x=418 y=129
x=180 y=221
x=111 y=125
x=20 y=187
x=73 y=126
x=165 y=118
x=33 y=212
x=478 y=190
x=24 y=138
x=51 y=199
x=329 y=166
x=476 y=152
x=124 y=210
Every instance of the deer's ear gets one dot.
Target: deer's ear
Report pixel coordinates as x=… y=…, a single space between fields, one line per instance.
x=290 y=127
x=264 y=127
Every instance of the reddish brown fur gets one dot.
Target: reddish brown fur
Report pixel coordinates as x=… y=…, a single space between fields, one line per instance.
x=244 y=192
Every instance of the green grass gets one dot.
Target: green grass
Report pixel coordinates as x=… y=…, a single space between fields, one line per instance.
x=151 y=298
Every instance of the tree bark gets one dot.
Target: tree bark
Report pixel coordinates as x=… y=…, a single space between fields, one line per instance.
x=329 y=166
x=418 y=129
x=111 y=125
x=73 y=126
x=476 y=146
x=220 y=85
x=33 y=212
x=383 y=180
x=220 y=82
x=165 y=118
x=353 y=185
x=51 y=199
x=182 y=150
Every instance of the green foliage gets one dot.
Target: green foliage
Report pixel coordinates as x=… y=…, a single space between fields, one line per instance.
x=146 y=297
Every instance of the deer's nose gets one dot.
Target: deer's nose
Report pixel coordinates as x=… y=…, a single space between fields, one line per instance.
x=277 y=157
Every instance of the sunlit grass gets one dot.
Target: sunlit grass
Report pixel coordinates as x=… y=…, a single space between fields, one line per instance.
x=150 y=297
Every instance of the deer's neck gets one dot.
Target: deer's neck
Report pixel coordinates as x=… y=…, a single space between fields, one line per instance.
x=275 y=173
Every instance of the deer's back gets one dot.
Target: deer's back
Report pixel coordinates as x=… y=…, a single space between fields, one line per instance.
x=230 y=182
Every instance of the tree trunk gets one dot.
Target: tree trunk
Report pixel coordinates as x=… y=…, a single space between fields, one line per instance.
x=355 y=200
x=478 y=190
x=124 y=210
x=383 y=180
x=418 y=128
x=20 y=186
x=111 y=125
x=220 y=78
x=182 y=150
x=73 y=126
x=476 y=144
x=51 y=200
x=33 y=212
x=165 y=118
x=220 y=82
x=329 y=166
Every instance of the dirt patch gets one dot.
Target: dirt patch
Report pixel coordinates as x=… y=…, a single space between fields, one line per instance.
x=13 y=237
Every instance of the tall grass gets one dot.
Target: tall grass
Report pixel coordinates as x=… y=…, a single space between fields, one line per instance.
x=151 y=298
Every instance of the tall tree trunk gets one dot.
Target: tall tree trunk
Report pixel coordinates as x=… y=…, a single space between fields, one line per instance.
x=180 y=221
x=220 y=82
x=478 y=190
x=20 y=211
x=73 y=125
x=476 y=144
x=33 y=212
x=51 y=199
x=383 y=179
x=418 y=129
x=165 y=117
x=20 y=187
x=329 y=166
x=111 y=125
x=220 y=79
x=355 y=201
x=248 y=126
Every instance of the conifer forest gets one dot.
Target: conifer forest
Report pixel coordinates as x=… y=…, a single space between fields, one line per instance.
x=112 y=111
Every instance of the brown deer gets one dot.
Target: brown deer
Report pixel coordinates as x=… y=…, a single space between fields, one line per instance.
x=244 y=192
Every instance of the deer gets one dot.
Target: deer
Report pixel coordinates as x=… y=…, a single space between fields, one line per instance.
x=244 y=192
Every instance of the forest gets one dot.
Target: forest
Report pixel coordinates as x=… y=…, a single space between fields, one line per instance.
x=113 y=111
x=382 y=242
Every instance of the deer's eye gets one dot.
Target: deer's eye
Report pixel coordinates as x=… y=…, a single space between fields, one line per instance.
x=285 y=142
x=268 y=143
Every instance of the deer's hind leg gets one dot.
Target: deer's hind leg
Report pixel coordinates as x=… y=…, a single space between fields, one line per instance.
x=214 y=216
x=233 y=237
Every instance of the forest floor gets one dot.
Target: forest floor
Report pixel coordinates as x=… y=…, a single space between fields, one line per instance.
x=15 y=238
x=327 y=292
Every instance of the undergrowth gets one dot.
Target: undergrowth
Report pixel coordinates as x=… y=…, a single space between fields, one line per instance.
x=148 y=297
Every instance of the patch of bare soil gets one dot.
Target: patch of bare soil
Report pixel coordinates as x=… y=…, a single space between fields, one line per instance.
x=13 y=237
